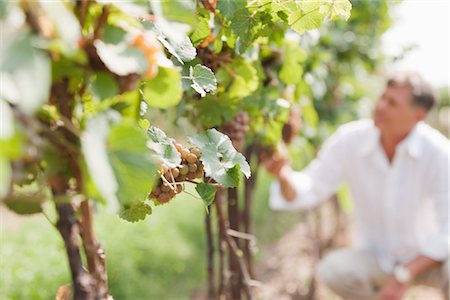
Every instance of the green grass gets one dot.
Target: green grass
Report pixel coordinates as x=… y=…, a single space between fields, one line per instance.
x=162 y=257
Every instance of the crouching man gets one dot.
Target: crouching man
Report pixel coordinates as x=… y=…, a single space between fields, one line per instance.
x=397 y=169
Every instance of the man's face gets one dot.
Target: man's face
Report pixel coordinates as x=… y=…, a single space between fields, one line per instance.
x=395 y=112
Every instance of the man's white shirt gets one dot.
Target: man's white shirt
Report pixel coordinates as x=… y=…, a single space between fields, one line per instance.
x=401 y=208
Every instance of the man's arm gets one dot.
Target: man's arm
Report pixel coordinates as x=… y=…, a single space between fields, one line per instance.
x=420 y=265
x=278 y=167
x=394 y=290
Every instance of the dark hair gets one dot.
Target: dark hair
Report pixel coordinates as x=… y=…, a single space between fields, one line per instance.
x=422 y=93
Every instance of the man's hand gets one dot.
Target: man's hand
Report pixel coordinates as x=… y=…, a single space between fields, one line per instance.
x=274 y=163
x=393 y=290
x=277 y=164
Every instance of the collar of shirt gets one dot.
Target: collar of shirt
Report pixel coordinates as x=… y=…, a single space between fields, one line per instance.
x=411 y=143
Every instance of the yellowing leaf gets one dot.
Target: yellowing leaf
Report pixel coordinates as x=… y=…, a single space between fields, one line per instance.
x=334 y=9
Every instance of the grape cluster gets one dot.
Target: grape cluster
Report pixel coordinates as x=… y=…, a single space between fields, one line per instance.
x=236 y=129
x=171 y=180
x=292 y=126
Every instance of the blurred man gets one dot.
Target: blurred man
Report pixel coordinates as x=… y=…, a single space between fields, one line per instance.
x=397 y=169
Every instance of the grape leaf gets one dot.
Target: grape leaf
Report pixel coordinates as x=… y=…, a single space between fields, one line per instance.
x=306 y=17
x=245 y=80
x=228 y=8
x=28 y=69
x=132 y=163
x=180 y=11
x=113 y=34
x=291 y=71
x=242 y=24
x=310 y=114
x=220 y=158
x=27 y=199
x=93 y=145
x=175 y=41
x=136 y=212
x=164 y=90
x=203 y=79
x=207 y=192
x=118 y=160
x=201 y=32
x=121 y=58
x=334 y=9
x=104 y=86
x=163 y=147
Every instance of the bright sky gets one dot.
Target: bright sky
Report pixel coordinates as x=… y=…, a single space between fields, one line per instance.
x=424 y=23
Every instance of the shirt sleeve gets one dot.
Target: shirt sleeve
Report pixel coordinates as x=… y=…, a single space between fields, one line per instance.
x=437 y=245
x=318 y=181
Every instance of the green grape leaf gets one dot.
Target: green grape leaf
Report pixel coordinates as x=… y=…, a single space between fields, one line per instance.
x=113 y=34
x=291 y=71
x=306 y=17
x=207 y=192
x=228 y=8
x=310 y=114
x=246 y=79
x=242 y=24
x=164 y=90
x=136 y=212
x=27 y=199
x=180 y=11
x=220 y=158
x=121 y=59
x=25 y=71
x=133 y=166
x=118 y=160
x=201 y=32
x=163 y=147
x=285 y=6
x=335 y=9
x=94 y=149
x=203 y=79
x=12 y=147
x=104 y=86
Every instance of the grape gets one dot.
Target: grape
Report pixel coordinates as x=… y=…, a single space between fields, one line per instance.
x=184 y=153
x=164 y=169
x=175 y=172
x=168 y=176
x=192 y=168
x=165 y=188
x=189 y=169
x=179 y=147
x=191 y=158
x=196 y=152
x=156 y=191
x=245 y=118
x=184 y=169
x=199 y=173
x=237 y=128
x=164 y=197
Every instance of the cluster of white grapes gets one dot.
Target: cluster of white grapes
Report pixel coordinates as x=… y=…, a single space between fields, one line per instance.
x=171 y=180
